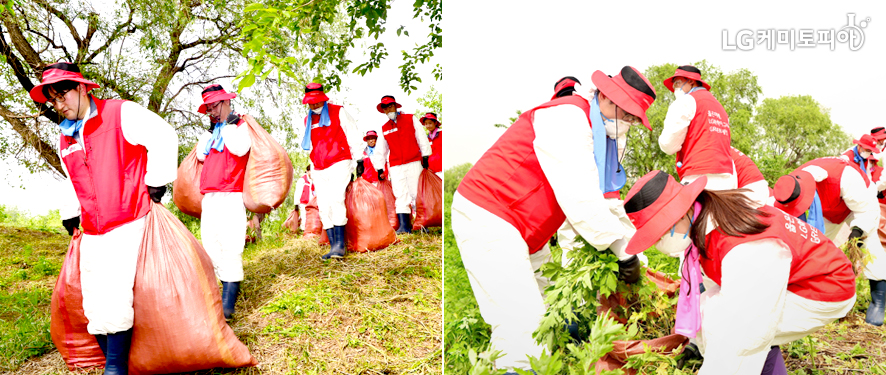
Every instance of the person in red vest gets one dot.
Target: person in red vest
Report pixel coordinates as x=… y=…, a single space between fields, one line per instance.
x=369 y=172
x=774 y=279
x=879 y=134
x=555 y=163
x=332 y=136
x=796 y=195
x=118 y=157
x=405 y=147
x=435 y=137
x=696 y=129
x=224 y=151
x=749 y=177
x=862 y=153
x=304 y=188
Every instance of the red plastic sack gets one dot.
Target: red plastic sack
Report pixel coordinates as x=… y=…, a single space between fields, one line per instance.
x=428 y=201
x=68 y=322
x=390 y=201
x=291 y=221
x=268 y=171
x=367 y=228
x=186 y=188
x=178 y=324
x=313 y=226
x=881 y=229
x=621 y=350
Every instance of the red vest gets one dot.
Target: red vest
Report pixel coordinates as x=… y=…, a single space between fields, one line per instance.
x=706 y=147
x=401 y=140
x=745 y=169
x=833 y=207
x=435 y=161
x=223 y=171
x=306 y=191
x=508 y=182
x=109 y=177
x=329 y=145
x=876 y=173
x=370 y=172
x=819 y=270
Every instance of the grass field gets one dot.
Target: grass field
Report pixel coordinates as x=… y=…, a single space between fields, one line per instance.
x=371 y=313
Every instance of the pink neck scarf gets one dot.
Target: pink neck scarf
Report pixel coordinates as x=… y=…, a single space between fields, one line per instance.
x=688 y=303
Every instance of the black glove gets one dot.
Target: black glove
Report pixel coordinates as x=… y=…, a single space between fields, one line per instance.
x=156 y=193
x=629 y=270
x=71 y=223
x=360 y=167
x=381 y=174
x=424 y=162
x=855 y=235
x=880 y=195
x=690 y=353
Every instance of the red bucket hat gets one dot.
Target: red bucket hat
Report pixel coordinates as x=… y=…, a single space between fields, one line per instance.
x=369 y=135
x=794 y=192
x=655 y=203
x=385 y=100
x=867 y=141
x=686 y=71
x=565 y=87
x=56 y=73
x=314 y=94
x=629 y=90
x=430 y=116
x=879 y=133
x=213 y=94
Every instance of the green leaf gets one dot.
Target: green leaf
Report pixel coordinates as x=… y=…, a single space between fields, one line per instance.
x=247 y=81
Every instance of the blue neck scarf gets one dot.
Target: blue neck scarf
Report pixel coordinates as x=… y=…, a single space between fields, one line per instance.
x=814 y=216
x=694 y=89
x=369 y=150
x=216 y=142
x=71 y=127
x=324 y=122
x=859 y=160
x=612 y=176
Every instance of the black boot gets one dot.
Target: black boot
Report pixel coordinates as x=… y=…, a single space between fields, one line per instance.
x=329 y=236
x=875 y=312
x=405 y=223
x=230 y=291
x=117 y=357
x=102 y=343
x=336 y=243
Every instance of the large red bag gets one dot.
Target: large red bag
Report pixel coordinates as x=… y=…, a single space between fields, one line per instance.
x=881 y=229
x=313 y=226
x=186 y=188
x=390 y=201
x=178 y=324
x=268 y=171
x=68 y=322
x=291 y=221
x=368 y=228
x=428 y=201
x=621 y=350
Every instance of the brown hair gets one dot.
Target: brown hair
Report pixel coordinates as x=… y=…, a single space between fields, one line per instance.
x=732 y=212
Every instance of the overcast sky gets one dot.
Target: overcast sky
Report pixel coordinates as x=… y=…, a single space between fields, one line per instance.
x=507 y=56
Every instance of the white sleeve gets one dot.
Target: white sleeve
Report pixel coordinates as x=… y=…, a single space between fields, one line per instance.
x=564 y=146
x=380 y=154
x=676 y=124
x=818 y=173
x=299 y=186
x=237 y=138
x=201 y=145
x=859 y=199
x=739 y=320
x=140 y=126
x=69 y=206
x=352 y=133
x=421 y=137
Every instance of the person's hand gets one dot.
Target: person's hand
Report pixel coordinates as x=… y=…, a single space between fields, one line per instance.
x=381 y=174
x=855 y=236
x=629 y=270
x=360 y=167
x=424 y=162
x=71 y=224
x=880 y=195
x=156 y=193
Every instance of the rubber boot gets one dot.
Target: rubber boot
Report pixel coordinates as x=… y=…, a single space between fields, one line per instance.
x=774 y=364
x=329 y=236
x=117 y=359
x=102 y=343
x=405 y=223
x=876 y=309
x=230 y=291
x=336 y=242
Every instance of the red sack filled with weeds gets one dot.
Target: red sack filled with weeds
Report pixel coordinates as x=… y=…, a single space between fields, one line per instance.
x=291 y=222
x=178 y=324
x=186 y=188
x=881 y=229
x=429 y=201
x=313 y=226
x=621 y=350
x=268 y=171
x=390 y=201
x=68 y=322
x=367 y=228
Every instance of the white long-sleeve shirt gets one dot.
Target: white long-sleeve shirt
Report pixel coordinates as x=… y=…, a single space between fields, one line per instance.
x=382 y=151
x=139 y=126
x=676 y=124
x=861 y=200
x=237 y=140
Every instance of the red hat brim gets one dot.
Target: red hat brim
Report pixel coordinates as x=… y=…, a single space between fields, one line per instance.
x=785 y=184
x=872 y=146
x=314 y=97
x=619 y=96
x=665 y=214
x=214 y=97
x=59 y=75
x=378 y=107
x=669 y=83
x=368 y=137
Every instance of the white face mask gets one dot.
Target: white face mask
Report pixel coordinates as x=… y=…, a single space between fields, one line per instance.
x=392 y=115
x=673 y=243
x=678 y=90
x=864 y=154
x=318 y=110
x=617 y=128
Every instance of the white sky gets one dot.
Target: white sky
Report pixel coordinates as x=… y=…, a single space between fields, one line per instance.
x=37 y=193
x=510 y=53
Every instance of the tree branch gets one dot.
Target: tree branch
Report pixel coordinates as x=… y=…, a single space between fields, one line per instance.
x=30 y=138
x=61 y=16
x=21 y=43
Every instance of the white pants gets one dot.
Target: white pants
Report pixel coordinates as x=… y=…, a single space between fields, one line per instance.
x=404 y=181
x=329 y=188
x=505 y=280
x=301 y=216
x=876 y=269
x=223 y=230
x=107 y=275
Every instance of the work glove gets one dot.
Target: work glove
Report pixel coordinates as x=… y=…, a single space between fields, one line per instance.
x=381 y=174
x=629 y=269
x=156 y=193
x=880 y=195
x=360 y=167
x=855 y=235
x=424 y=162
x=71 y=224
x=690 y=353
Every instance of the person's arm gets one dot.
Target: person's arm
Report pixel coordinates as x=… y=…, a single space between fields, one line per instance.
x=859 y=199
x=421 y=137
x=380 y=155
x=740 y=319
x=201 y=145
x=564 y=146
x=69 y=206
x=299 y=187
x=352 y=133
x=140 y=126
x=676 y=124
x=237 y=139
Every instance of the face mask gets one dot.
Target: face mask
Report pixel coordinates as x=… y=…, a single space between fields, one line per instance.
x=678 y=90
x=673 y=244
x=864 y=154
x=392 y=115
x=318 y=110
x=616 y=128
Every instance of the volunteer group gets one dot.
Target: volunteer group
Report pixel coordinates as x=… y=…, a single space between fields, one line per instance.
x=769 y=258
x=120 y=156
